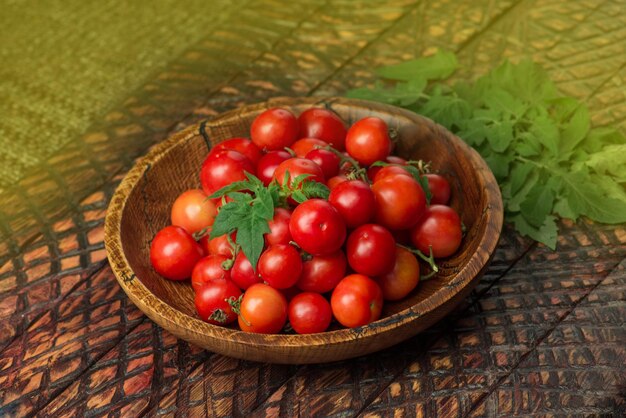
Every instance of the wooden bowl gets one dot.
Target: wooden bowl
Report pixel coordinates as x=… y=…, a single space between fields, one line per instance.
x=141 y=206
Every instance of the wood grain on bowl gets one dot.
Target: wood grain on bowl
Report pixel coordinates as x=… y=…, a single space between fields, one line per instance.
x=141 y=206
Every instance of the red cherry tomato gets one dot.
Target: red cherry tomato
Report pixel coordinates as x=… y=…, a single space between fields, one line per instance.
x=390 y=170
x=280 y=266
x=298 y=166
x=274 y=129
x=322 y=272
x=212 y=302
x=334 y=181
x=193 y=211
x=174 y=253
x=354 y=200
x=268 y=164
x=400 y=201
x=371 y=250
x=305 y=145
x=317 y=227
x=356 y=301
x=440 y=227
x=209 y=268
x=279 y=228
x=218 y=245
x=263 y=310
x=439 y=189
x=404 y=277
x=327 y=160
x=222 y=168
x=309 y=313
x=392 y=159
x=242 y=272
x=242 y=145
x=323 y=124
x=367 y=141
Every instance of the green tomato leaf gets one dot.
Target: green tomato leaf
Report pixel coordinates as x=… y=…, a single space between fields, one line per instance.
x=437 y=67
x=546 y=234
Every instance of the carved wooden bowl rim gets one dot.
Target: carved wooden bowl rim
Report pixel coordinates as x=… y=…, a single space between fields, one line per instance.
x=182 y=324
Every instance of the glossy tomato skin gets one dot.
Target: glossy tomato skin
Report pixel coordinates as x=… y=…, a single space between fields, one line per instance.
x=279 y=228
x=212 y=302
x=218 y=245
x=193 y=211
x=321 y=273
x=280 y=266
x=400 y=201
x=317 y=227
x=309 y=313
x=440 y=228
x=389 y=171
x=268 y=164
x=298 y=166
x=222 y=168
x=327 y=160
x=367 y=141
x=274 y=129
x=404 y=277
x=305 y=145
x=242 y=273
x=263 y=310
x=207 y=269
x=323 y=124
x=336 y=180
x=392 y=159
x=174 y=253
x=355 y=202
x=371 y=250
x=356 y=301
x=242 y=145
x=439 y=189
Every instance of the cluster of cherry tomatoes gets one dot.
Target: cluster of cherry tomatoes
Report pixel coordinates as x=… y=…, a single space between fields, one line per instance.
x=336 y=257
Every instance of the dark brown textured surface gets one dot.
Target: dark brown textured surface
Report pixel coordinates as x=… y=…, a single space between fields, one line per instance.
x=540 y=329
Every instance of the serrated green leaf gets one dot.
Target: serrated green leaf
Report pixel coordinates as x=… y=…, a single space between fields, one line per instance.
x=544 y=131
x=437 y=67
x=447 y=110
x=504 y=104
x=314 y=189
x=574 y=120
x=499 y=164
x=299 y=179
x=539 y=203
x=401 y=94
x=611 y=160
x=519 y=175
x=514 y=202
x=232 y=187
x=546 y=234
x=500 y=135
x=298 y=196
x=227 y=219
x=527 y=145
x=250 y=237
x=263 y=204
x=423 y=181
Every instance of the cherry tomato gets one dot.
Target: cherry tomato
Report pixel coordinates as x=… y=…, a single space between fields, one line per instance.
x=268 y=164
x=193 y=211
x=404 y=277
x=371 y=250
x=334 y=181
x=280 y=266
x=440 y=228
x=327 y=160
x=305 y=145
x=242 y=272
x=309 y=313
x=355 y=202
x=279 y=228
x=392 y=159
x=222 y=168
x=390 y=170
x=367 y=141
x=356 y=301
x=321 y=273
x=400 y=201
x=298 y=166
x=242 y=145
x=218 y=245
x=263 y=310
x=274 y=129
x=212 y=302
x=323 y=124
x=209 y=268
x=439 y=189
x=317 y=227
x=174 y=253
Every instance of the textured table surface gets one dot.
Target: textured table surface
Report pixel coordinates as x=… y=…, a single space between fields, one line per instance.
x=544 y=333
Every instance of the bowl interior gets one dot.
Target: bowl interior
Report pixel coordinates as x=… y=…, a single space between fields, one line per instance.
x=168 y=174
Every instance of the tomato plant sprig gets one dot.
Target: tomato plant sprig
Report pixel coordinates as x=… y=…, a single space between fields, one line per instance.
x=252 y=207
x=430 y=259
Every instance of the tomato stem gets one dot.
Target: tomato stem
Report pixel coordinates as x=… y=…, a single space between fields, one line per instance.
x=235 y=304
x=359 y=172
x=218 y=315
x=428 y=259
